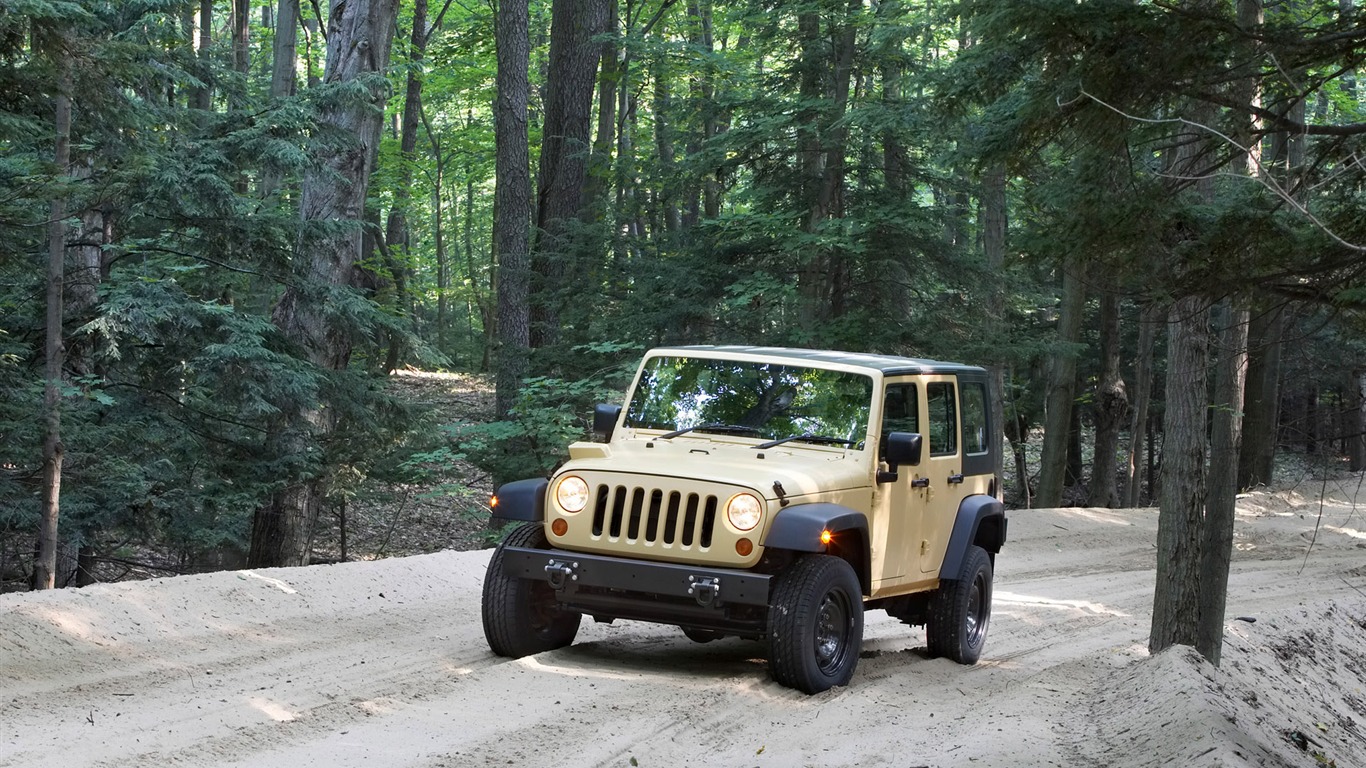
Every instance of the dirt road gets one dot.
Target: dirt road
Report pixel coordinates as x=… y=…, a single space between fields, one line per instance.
x=384 y=663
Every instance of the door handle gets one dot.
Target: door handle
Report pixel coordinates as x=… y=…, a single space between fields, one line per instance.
x=920 y=482
x=956 y=478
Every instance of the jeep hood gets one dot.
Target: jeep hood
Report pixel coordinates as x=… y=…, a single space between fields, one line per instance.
x=801 y=470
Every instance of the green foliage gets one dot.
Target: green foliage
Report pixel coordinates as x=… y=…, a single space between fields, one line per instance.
x=550 y=413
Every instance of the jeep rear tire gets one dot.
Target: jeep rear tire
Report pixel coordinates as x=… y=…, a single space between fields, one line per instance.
x=521 y=616
x=815 y=624
x=961 y=610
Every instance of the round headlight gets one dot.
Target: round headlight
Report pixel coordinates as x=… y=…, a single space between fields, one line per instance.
x=743 y=511
x=572 y=493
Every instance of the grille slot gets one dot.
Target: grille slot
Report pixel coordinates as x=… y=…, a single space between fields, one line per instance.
x=654 y=516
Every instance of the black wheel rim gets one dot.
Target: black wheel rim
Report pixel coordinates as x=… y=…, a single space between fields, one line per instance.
x=833 y=626
x=544 y=608
x=975 y=622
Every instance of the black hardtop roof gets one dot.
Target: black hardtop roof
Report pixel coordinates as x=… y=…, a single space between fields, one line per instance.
x=888 y=365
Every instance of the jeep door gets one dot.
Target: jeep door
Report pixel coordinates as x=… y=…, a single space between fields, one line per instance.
x=942 y=465
x=897 y=503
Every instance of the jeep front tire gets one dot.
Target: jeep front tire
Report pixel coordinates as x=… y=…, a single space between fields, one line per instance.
x=521 y=616
x=961 y=610
x=815 y=624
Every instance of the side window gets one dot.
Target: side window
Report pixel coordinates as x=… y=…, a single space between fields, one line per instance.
x=900 y=412
x=943 y=419
x=974 y=418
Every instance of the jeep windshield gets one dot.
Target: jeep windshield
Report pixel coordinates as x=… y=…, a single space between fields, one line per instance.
x=769 y=401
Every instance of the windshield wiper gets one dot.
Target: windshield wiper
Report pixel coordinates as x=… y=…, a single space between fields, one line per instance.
x=824 y=439
x=717 y=427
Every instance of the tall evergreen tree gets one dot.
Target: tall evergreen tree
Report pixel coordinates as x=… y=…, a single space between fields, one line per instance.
x=332 y=205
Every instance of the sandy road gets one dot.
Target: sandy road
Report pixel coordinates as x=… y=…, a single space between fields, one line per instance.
x=384 y=663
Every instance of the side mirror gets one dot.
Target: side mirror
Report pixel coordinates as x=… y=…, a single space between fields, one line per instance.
x=903 y=449
x=605 y=420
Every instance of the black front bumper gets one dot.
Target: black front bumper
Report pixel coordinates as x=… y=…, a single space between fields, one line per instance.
x=722 y=599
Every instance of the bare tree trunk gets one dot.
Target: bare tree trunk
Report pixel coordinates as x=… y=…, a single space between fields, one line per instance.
x=1143 y=387
x=574 y=58
x=396 y=234
x=285 y=49
x=443 y=279
x=1072 y=477
x=1309 y=424
x=1356 y=420
x=360 y=35
x=1229 y=389
x=282 y=75
x=1176 y=599
x=712 y=126
x=512 y=200
x=241 y=50
x=993 y=248
x=438 y=234
x=664 y=144
x=1217 y=548
x=1062 y=382
x=1257 y=456
x=599 y=181
x=45 y=564
x=202 y=97
x=819 y=280
x=483 y=298
x=1111 y=408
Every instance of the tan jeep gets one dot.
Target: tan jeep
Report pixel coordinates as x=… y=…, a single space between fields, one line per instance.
x=770 y=494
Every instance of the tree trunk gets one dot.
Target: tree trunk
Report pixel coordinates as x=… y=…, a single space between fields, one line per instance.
x=1062 y=382
x=202 y=97
x=1176 y=599
x=483 y=298
x=600 y=164
x=1257 y=456
x=712 y=126
x=241 y=51
x=45 y=564
x=1072 y=477
x=819 y=279
x=662 y=109
x=1229 y=395
x=1111 y=408
x=574 y=58
x=396 y=235
x=1217 y=548
x=993 y=249
x=1356 y=420
x=359 y=35
x=285 y=49
x=627 y=206
x=1309 y=423
x=512 y=200
x=284 y=61
x=1143 y=386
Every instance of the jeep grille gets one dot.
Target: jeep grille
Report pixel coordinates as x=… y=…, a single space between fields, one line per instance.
x=654 y=516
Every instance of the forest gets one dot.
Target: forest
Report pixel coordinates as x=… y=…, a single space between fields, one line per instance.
x=224 y=224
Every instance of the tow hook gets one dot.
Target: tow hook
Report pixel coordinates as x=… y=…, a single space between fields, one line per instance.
x=704 y=590
x=557 y=572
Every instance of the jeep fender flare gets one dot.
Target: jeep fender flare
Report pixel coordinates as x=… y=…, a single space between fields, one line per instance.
x=798 y=528
x=982 y=521
x=522 y=500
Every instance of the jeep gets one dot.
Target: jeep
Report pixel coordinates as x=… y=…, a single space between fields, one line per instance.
x=768 y=494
